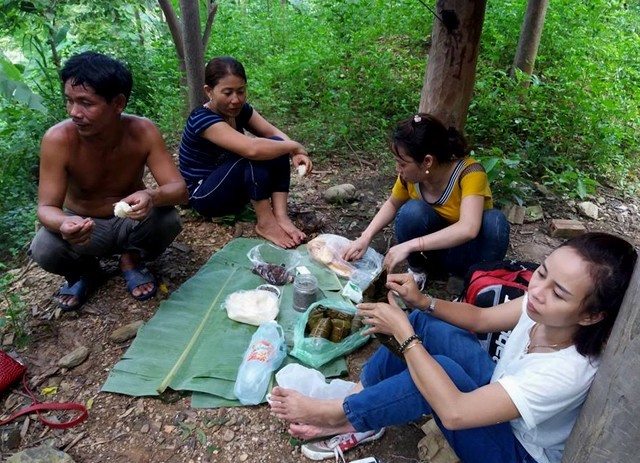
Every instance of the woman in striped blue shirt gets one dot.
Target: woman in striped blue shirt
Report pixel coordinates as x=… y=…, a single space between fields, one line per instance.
x=225 y=168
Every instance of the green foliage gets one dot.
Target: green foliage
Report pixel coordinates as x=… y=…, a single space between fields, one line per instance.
x=578 y=122
x=14 y=309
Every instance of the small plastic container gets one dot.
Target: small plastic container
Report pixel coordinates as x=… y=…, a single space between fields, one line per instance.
x=305 y=291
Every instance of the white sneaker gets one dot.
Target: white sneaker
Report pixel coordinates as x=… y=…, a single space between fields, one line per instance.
x=420 y=278
x=336 y=446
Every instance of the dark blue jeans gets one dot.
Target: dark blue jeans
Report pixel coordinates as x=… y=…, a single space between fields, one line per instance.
x=390 y=396
x=416 y=218
x=240 y=180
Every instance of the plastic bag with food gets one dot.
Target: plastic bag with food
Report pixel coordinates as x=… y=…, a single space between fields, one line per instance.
x=254 y=306
x=328 y=249
x=328 y=329
x=275 y=265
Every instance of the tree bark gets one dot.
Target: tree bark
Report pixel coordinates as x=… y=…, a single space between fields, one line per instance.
x=193 y=51
x=212 y=9
x=175 y=28
x=530 y=35
x=451 y=66
x=607 y=429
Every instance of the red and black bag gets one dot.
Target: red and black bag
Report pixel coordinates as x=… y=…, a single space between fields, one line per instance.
x=491 y=283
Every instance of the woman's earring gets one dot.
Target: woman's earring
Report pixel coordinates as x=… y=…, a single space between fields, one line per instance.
x=426 y=172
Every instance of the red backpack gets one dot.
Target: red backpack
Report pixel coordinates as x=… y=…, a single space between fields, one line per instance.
x=491 y=283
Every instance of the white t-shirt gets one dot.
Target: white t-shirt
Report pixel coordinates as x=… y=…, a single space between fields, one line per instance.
x=548 y=390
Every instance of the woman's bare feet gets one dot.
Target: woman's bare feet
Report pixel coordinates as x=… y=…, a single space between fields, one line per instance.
x=294 y=407
x=308 y=431
x=294 y=232
x=279 y=209
x=274 y=233
x=268 y=227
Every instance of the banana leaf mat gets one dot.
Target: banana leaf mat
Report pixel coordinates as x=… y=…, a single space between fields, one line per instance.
x=191 y=345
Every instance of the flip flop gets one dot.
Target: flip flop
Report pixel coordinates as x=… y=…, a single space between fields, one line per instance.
x=137 y=276
x=80 y=290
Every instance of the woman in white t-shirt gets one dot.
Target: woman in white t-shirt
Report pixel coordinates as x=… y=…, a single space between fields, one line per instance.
x=521 y=409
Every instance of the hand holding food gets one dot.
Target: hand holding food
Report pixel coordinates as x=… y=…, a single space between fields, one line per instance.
x=121 y=209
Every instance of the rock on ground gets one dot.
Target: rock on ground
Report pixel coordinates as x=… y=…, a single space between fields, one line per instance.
x=41 y=454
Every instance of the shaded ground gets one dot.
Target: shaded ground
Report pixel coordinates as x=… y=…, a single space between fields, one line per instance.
x=127 y=429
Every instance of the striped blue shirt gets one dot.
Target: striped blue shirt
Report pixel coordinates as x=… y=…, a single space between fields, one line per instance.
x=198 y=156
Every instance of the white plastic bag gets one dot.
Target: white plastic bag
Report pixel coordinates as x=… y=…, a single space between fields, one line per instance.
x=254 y=306
x=312 y=383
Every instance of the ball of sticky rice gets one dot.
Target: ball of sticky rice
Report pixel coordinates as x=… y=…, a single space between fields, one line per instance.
x=302 y=170
x=121 y=209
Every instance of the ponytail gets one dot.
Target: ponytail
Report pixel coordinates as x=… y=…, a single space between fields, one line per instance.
x=424 y=134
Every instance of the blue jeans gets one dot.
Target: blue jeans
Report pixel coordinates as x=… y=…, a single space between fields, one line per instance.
x=240 y=180
x=390 y=396
x=416 y=218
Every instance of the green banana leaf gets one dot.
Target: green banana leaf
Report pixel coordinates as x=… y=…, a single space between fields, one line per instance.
x=190 y=343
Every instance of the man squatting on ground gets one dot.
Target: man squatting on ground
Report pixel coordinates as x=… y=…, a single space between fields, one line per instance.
x=89 y=162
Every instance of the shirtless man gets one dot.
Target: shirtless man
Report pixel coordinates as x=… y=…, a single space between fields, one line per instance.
x=89 y=162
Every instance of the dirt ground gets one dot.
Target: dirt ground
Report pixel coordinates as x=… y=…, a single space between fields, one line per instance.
x=127 y=429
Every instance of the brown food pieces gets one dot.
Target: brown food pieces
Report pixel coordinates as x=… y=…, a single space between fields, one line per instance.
x=273 y=274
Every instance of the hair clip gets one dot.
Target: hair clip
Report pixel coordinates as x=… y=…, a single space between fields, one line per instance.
x=417 y=118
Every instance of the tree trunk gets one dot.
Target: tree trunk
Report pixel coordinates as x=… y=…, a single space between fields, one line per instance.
x=193 y=51
x=175 y=28
x=530 y=35
x=451 y=67
x=607 y=429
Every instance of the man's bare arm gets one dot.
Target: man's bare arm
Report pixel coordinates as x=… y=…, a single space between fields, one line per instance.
x=52 y=188
x=171 y=189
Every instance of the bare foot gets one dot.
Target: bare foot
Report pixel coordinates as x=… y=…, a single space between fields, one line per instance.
x=274 y=233
x=294 y=407
x=129 y=260
x=294 y=232
x=308 y=431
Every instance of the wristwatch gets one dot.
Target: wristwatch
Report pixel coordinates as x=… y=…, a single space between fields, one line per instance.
x=432 y=304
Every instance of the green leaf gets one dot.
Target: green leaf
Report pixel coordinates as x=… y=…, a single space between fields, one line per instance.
x=190 y=343
x=10 y=70
x=581 y=189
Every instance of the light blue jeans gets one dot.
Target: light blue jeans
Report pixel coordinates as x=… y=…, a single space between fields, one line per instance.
x=416 y=218
x=390 y=396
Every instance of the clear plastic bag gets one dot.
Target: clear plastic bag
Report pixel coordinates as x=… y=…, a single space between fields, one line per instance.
x=316 y=351
x=312 y=383
x=275 y=265
x=328 y=249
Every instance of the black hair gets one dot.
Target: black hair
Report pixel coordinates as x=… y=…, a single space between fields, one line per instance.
x=424 y=134
x=108 y=77
x=220 y=67
x=611 y=261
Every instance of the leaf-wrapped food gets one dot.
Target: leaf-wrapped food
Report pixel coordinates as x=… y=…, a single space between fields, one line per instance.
x=322 y=329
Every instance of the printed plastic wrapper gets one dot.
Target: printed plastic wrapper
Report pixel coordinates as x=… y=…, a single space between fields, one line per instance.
x=328 y=249
x=275 y=265
x=315 y=351
x=312 y=383
x=254 y=306
x=264 y=355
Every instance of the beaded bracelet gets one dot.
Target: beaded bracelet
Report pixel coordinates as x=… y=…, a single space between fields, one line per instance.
x=411 y=346
x=404 y=345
